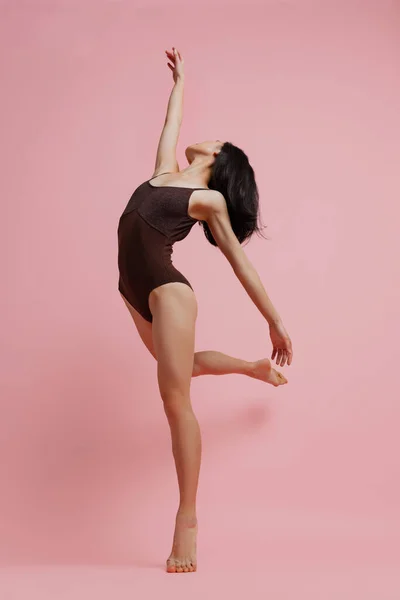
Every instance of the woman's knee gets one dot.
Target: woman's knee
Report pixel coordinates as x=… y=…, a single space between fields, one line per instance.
x=175 y=400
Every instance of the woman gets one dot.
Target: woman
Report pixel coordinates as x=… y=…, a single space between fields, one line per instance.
x=217 y=190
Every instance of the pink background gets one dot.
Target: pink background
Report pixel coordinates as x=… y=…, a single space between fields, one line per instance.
x=299 y=492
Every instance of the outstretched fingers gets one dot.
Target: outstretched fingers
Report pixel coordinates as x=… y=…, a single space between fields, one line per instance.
x=282 y=356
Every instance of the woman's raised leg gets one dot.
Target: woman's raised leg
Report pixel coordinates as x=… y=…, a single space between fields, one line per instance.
x=174 y=310
x=211 y=362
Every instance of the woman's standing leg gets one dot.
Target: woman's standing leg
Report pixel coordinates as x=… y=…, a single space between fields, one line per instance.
x=174 y=310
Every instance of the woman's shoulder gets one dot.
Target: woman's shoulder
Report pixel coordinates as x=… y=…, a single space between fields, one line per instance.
x=210 y=197
x=205 y=202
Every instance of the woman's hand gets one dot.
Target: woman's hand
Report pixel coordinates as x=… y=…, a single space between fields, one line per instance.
x=177 y=64
x=282 y=345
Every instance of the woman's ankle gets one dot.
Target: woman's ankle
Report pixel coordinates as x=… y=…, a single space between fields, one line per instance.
x=186 y=516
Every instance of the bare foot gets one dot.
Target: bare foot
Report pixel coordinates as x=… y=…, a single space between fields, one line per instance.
x=262 y=369
x=183 y=555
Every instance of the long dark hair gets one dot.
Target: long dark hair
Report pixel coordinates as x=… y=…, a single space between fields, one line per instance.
x=233 y=176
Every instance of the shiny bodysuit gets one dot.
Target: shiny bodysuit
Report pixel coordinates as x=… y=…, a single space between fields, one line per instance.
x=153 y=220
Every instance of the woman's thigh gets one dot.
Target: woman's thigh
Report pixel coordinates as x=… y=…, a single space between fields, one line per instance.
x=144 y=327
x=174 y=310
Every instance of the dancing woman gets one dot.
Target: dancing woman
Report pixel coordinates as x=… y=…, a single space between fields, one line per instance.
x=217 y=190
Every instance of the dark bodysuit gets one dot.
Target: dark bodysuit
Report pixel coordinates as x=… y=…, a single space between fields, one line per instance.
x=153 y=220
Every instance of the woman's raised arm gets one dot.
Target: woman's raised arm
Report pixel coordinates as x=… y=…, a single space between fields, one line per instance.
x=166 y=150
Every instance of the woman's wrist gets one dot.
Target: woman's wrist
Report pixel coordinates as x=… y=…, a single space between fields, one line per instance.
x=274 y=321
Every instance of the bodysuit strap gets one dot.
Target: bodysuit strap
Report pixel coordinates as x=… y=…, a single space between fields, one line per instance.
x=158 y=175
x=175 y=186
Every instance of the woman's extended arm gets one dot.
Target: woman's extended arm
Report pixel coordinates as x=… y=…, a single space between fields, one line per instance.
x=242 y=266
x=214 y=212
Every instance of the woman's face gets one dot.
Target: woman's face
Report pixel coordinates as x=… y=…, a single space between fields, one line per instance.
x=207 y=148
